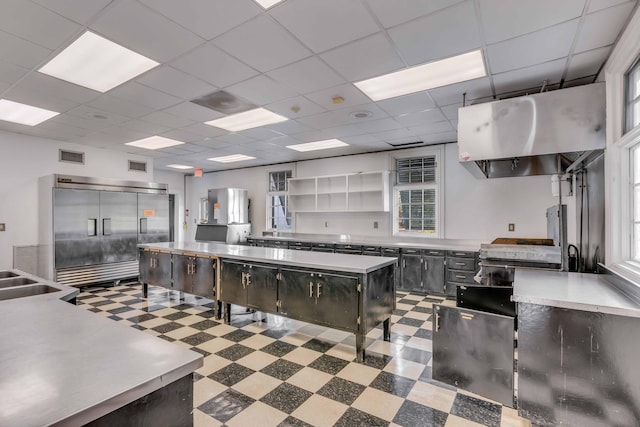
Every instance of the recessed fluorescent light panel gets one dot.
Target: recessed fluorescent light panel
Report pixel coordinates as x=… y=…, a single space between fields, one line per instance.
x=97 y=63
x=457 y=69
x=154 y=143
x=232 y=158
x=247 y=120
x=267 y=3
x=23 y=114
x=318 y=145
x=180 y=166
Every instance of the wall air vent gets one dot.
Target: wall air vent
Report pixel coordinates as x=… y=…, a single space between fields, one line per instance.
x=405 y=144
x=137 y=166
x=71 y=156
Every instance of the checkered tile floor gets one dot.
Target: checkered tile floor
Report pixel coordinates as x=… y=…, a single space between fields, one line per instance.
x=265 y=370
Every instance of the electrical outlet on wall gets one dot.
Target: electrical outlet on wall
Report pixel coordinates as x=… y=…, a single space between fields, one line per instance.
x=375 y=224
x=512 y=227
x=326 y=224
x=2 y=227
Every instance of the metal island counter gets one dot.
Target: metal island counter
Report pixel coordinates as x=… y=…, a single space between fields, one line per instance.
x=353 y=293
x=578 y=346
x=62 y=365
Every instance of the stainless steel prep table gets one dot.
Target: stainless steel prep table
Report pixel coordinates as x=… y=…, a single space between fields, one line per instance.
x=63 y=365
x=578 y=346
x=354 y=293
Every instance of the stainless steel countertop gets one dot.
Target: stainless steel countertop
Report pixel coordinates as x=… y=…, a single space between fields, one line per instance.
x=319 y=260
x=397 y=242
x=60 y=364
x=579 y=291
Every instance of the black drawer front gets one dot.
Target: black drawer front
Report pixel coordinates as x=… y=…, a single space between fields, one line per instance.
x=300 y=245
x=349 y=247
x=460 y=276
x=412 y=251
x=467 y=264
x=462 y=254
x=279 y=244
x=433 y=252
x=391 y=252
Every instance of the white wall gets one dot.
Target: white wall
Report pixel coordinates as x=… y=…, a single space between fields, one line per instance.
x=25 y=159
x=476 y=209
x=176 y=183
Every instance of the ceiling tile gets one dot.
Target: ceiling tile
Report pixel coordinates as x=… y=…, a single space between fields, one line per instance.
x=175 y=82
x=587 y=63
x=141 y=94
x=100 y=139
x=261 y=134
x=400 y=135
x=350 y=94
x=32 y=96
x=415 y=119
x=119 y=106
x=86 y=122
x=205 y=130
x=59 y=130
x=529 y=77
x=429 y=128
x=373 y=126
x=439 y=137
x=10 y=73
x=451 y=111
x=474 y=89
x=234 y=138
x=194 y=112
x=415 y=39
x=145 y=127
x=213 y=143
x=192 y=148
x=407 y=104
x=87 y=111
x=342 y=117
x=185 y=136
x=308 y=75
x=534 y=48
x=166 y=119
x=32 y=22
x=524 y=16
x=289 y=127
x=302 y=104
x=365 y=58
x=21 y=52
x=56 y=88
x=263 y=44
x=595 y=5
x=214 y=66
x=396 y=12
x=125 y=134
x=144 y=31
x=318 y=26
x=206 y=18
x=261 y=90
x=80 y=11
x=602 y=28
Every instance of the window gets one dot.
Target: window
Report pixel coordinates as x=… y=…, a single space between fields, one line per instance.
x=417 y=194
x=278 y=215
x=633 y=97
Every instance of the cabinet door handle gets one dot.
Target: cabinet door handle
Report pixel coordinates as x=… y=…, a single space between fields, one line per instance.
x=459 y=276
x=248 y=278
x=437 y=325
x=404 y=263
x=460 y=263
x=310 y=289
x=318 y=288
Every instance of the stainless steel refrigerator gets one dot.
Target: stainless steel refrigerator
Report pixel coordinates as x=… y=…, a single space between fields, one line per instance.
x=90 y=233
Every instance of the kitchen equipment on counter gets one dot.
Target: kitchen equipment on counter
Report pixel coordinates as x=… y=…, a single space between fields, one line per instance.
x=228 y=233
x=90 y=227
x=228 y=216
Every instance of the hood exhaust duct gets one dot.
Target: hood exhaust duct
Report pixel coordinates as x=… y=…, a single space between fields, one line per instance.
x=534 y=134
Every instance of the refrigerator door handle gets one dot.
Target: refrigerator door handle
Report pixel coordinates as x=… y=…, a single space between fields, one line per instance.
x=92 y=227
x=106 y=227
x=143 y=225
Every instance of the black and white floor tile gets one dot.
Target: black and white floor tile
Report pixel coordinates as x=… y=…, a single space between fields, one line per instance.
x=265 y=370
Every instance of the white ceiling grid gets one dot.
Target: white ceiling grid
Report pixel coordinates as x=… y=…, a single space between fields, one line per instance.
x=293 y=59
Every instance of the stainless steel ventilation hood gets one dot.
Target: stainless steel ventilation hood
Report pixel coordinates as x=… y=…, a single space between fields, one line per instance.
x=540 y=134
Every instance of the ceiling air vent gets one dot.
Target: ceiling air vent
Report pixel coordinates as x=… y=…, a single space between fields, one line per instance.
x=137 y=166
x=405 y=144
x=71 y=156
x=224 y=102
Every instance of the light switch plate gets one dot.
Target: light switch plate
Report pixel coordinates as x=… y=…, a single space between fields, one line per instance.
x=512 y=227
x=2 y=226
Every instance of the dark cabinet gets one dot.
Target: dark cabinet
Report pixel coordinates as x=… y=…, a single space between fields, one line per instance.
x=474 y=350
x=348 y=249
x=194 y=275
x=155 y=268
x=422 y=271
x=324 y=299
x=322 y=247
x=249 y=285
x=462 y=266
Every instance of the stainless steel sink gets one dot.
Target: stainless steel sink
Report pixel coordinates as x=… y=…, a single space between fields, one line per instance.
x=5 y=274
x=26 y=291
x=15 y=281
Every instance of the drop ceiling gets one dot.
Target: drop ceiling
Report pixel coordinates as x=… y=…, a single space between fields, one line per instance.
x=293 y=59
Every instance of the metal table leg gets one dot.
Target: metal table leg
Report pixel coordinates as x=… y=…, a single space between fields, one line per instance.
x=145 y=290
x=227 y=313
x=360 y=340
x=386 y=327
